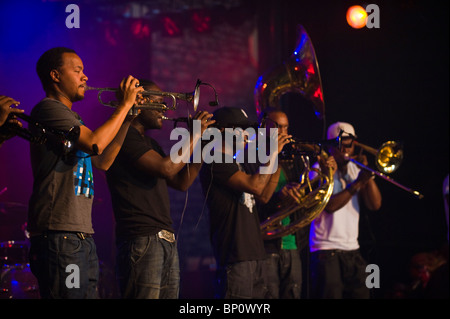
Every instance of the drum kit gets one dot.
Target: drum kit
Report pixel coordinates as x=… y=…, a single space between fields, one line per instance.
x=16 y=279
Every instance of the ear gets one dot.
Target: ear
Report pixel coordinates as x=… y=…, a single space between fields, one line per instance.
x=54 y=74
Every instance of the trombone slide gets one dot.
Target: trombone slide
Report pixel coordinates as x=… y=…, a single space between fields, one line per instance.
x=386 y=178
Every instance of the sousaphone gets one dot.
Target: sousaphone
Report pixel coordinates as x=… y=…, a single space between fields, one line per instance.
x=298 y=74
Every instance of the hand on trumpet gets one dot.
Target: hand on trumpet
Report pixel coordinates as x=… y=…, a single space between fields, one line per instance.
x=205 y=118
x=128 y=92
x=7 y=117
x=6 y=109
x=283 y=139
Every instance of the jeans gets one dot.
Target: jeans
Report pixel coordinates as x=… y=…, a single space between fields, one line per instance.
x=338 y=274
x=61 y=260
x=148 y=268
x=284 y=274
x=242 y=280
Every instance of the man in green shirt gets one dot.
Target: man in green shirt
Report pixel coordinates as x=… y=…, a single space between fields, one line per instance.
x=284 y=271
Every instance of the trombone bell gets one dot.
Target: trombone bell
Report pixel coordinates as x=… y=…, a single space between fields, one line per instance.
x=387 y=158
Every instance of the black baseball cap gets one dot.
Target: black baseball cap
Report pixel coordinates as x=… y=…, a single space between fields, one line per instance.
x=228 y=116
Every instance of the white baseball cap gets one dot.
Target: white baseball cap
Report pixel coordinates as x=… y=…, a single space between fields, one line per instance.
x=335 y=128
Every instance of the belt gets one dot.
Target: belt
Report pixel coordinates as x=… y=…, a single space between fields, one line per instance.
x=335 y=251
x=167 y=235
x=45 y=234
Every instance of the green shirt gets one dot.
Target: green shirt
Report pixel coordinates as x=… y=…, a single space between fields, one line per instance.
x=287 y=242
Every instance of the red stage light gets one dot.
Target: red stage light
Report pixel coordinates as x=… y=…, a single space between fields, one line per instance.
x=356 y=17
x=170 y=26
x=140 y=29
x=201 y=21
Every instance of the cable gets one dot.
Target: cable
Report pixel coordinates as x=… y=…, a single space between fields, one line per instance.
x=206 y=197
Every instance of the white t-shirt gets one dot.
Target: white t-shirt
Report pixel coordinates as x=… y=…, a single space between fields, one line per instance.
x=338 y=230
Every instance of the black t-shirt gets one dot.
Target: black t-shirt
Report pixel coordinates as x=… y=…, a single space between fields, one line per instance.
x=234 y=222
x=140 y=201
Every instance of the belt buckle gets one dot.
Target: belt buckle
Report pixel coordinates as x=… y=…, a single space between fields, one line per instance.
x=167 y=235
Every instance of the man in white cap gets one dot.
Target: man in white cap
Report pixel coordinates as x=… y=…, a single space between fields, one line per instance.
x=337 y=267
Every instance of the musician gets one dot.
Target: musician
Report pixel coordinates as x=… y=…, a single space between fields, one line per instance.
x=147 y=256
x=337 y=267
x=59 y=217
x=6 y=110
x=231 y=190
x=284 y=271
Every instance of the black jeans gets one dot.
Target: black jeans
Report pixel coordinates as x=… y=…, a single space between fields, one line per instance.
x=338 y=274
x=53 y=257
x=148 y=268
x=242 y=280
x=284 y=274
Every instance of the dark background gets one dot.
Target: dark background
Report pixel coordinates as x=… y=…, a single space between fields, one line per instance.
x=391 y=83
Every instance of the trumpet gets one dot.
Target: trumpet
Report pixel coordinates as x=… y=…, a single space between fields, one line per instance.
x=387 y=158
x=191 y=97
x=38 y=133
x=297 y=147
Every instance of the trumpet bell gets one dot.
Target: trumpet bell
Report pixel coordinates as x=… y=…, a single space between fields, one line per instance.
x=389 y=157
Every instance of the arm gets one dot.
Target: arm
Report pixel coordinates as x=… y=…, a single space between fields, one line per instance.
x=364 y=185
x=371 y=195
x=184 y=179
x=154 y=164
x=107 y=157
x=258 y=184
x=107 y=132
x=268 y=191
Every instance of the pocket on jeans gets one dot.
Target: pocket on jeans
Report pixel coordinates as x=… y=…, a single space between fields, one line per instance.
x=69 y=244
x=139 y=247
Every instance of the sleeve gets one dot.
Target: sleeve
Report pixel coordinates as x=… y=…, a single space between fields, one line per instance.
x=134 y=146
x=56 y=115
x=223 y=171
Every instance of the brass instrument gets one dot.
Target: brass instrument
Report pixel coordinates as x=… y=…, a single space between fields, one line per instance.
x=317 y=193
x=192 y=97
x=300 y=74
x=387 y=159
x=37 y=133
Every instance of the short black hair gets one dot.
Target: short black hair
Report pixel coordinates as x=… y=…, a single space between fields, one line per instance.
x=50 y=60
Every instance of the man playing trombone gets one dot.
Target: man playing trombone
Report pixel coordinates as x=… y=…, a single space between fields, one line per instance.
x=59 y=217
x=147 y=256
x=337 y=267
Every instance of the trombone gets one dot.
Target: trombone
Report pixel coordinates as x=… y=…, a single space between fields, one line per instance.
x=192 y=97
x=387 y=159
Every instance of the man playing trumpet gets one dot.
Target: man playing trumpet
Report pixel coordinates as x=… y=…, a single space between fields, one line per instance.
x=147 y=256
x=59 y=217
